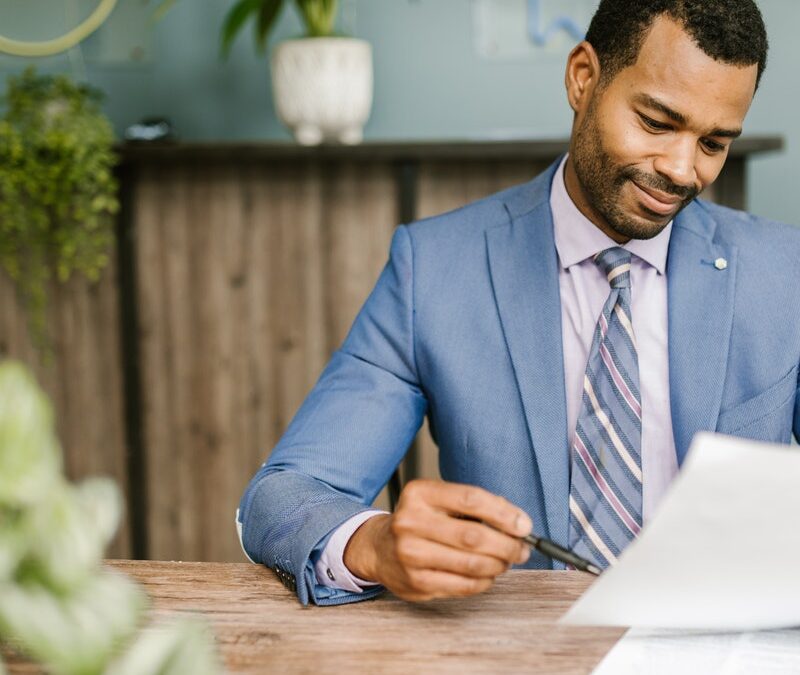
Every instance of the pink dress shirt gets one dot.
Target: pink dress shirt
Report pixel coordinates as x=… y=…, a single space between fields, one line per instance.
x=584 y=290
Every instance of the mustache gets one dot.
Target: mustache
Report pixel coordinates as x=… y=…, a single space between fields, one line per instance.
x=660 y=183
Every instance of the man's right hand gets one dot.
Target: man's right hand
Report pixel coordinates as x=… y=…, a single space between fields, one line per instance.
x=426 y=549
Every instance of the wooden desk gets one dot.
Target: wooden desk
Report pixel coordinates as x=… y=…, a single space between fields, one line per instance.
x=261 y=628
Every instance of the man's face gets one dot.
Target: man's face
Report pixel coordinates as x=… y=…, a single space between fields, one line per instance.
x=648 y=142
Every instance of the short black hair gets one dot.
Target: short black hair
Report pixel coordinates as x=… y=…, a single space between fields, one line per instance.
x=731 y=31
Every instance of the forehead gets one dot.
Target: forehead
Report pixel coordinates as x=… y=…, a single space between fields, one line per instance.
x=672 y=68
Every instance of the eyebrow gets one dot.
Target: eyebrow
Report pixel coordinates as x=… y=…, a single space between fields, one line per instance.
x=678 y=118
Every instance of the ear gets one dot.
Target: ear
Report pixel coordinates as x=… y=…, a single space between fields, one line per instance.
x=582 y=76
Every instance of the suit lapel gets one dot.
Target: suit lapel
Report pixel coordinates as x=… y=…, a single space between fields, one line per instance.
x=701 y=300
x=524 y=270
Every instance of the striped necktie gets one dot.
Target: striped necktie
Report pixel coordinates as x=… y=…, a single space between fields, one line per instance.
x=605 y=501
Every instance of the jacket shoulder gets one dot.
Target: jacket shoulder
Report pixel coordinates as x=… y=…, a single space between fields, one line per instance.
x=741 y=228
x=472 y=218
x=469 y=222
x=768 y=251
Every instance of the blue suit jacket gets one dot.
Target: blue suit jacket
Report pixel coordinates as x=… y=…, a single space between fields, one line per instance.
x=464 y=325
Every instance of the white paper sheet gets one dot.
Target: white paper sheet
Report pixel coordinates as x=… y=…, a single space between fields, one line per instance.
x=665 y=652
x=721 y=553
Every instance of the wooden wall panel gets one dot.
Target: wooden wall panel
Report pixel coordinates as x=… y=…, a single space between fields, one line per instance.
x=248 y=278
x=160 y=238
x=219 y=377
x=361 y=216
x=84 y=378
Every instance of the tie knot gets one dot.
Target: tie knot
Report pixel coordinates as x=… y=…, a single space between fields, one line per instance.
x=616 y=265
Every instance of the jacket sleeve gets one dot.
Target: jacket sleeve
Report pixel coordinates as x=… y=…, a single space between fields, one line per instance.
x=345 y=441
x=796 y=419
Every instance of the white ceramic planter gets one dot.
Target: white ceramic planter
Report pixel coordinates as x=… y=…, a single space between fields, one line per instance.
x=322 y=88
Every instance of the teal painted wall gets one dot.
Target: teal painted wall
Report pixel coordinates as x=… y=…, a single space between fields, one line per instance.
x=429 y=81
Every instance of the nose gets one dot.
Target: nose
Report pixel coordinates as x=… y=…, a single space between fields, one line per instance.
x=676 y=162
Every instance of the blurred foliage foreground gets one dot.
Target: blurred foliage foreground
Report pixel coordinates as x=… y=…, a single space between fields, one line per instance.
x=58 y=604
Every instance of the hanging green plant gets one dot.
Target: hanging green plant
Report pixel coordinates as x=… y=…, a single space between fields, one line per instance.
x=58 y=194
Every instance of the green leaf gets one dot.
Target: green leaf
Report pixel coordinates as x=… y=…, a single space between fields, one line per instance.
x=266 y=20
x=77 y=632
x=235 y=19
x=30 y=458
x=319 y=16
x=184 y=646
x=57 y=604
x=69 y=530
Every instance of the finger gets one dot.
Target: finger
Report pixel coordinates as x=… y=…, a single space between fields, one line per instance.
x=429 y=584
x=465 y=535
x=415 y=552
x=469 y=500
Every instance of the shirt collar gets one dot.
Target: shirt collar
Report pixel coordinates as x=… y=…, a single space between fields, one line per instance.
x=577 y=238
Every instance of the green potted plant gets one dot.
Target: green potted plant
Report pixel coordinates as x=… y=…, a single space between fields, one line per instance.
x=58 y=195
x=321 y=82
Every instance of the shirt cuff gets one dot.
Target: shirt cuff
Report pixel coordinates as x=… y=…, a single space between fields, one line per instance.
x=239 y=533
x=330 y=568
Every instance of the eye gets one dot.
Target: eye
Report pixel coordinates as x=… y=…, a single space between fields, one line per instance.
x=655 y=125
x=712 y=146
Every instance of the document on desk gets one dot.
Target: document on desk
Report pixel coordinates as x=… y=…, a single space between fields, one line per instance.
x=722 y=553
x=666 y=652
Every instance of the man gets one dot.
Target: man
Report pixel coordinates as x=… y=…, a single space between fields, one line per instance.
x=566 y=338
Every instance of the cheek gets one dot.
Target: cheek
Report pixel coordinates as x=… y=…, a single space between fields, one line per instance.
x=708 y=168
x=625 y=141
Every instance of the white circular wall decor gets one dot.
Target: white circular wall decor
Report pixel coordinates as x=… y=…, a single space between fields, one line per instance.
x=63 y=43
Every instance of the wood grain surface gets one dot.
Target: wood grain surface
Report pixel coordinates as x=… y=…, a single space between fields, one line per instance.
x=248 y=278
x=261 y=628
x=82 y=377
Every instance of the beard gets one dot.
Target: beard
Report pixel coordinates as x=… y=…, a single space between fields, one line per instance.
x=603 y=180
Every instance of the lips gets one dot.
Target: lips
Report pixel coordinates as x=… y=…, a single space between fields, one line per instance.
x=656 y=201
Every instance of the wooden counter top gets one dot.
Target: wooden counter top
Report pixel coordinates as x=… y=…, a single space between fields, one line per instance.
x=261 y=628
x=400 y=151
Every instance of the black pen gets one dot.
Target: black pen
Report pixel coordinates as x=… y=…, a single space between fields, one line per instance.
x=556 y=552
x=551 y=550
